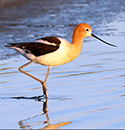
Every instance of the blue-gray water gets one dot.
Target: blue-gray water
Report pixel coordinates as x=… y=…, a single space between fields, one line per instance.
x=86 y=93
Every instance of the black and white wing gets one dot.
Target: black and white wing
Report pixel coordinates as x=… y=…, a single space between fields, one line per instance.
x=39 y=47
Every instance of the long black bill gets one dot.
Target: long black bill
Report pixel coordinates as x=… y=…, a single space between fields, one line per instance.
x=104 y=41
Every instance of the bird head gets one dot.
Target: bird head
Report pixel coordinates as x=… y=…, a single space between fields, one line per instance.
x=85 y=30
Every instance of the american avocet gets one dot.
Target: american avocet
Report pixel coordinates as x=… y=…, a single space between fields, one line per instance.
x=53 y=51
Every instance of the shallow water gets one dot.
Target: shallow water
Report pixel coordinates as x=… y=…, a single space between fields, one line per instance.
x=86 y=93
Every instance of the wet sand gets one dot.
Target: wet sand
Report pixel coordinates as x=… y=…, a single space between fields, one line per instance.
x=86 y=93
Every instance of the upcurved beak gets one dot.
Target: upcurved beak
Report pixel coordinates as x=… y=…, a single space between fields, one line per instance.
x=103 y=41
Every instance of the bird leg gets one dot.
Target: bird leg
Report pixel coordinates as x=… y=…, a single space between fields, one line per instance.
x=21 y=70
x=45 y=83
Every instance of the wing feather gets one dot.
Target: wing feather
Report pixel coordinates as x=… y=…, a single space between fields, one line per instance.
x=39 y=47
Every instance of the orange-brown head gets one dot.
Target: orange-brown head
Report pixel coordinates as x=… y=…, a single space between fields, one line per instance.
x=85 y=30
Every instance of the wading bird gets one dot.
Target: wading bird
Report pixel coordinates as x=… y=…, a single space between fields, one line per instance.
x=53 y=51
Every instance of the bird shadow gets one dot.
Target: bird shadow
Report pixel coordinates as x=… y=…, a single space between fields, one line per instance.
x=29 y=122
x=42 y=119
x=36 y=98
x=40 y=98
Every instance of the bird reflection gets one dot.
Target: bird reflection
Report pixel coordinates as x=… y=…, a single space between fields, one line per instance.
x=27 y=124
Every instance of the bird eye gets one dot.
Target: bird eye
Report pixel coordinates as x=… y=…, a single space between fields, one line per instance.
x=87 y=29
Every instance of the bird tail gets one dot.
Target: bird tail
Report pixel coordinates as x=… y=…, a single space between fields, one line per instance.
x=10 y=45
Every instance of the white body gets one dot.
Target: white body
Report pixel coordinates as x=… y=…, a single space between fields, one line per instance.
x=61 y=56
